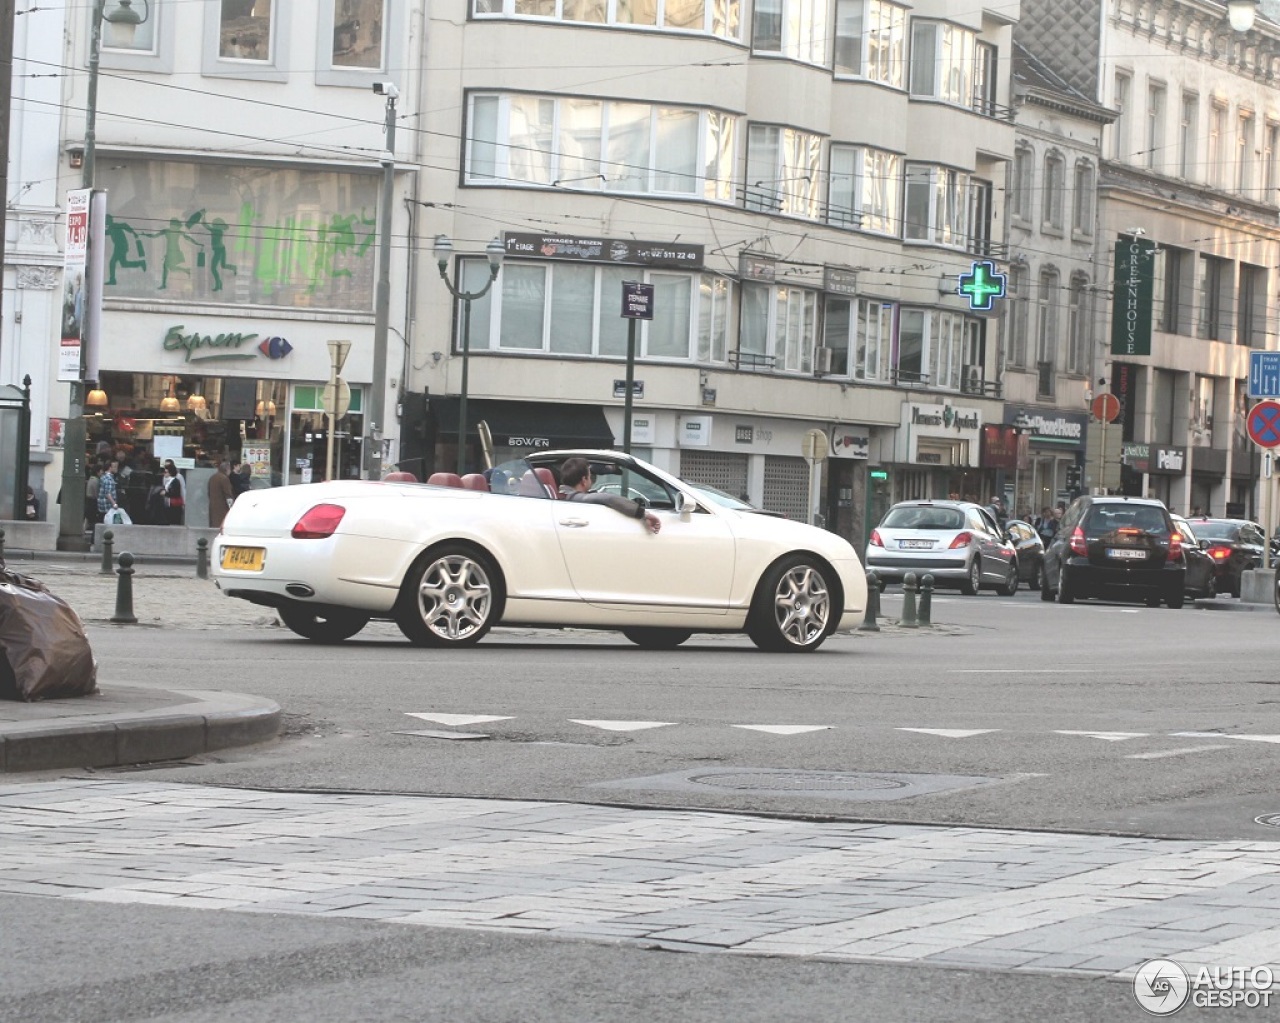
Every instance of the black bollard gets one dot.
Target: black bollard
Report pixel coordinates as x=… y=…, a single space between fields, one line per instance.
x=124 y=592
x=926 y=600
x=108 y=542
x=202 y=558
x=909 y=620
x=1 y=546
x=873 y=604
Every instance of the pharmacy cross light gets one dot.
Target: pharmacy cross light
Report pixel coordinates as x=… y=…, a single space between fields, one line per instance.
x=981 y=285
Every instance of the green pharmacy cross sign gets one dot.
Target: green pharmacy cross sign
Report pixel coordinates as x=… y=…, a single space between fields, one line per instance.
x=982 y=285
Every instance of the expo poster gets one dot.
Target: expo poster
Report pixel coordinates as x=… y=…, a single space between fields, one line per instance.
x=74 y=271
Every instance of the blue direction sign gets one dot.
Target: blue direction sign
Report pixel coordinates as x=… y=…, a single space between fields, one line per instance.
x=1264 y=374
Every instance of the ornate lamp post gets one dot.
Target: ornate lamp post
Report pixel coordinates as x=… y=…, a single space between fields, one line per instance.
x=443 y=249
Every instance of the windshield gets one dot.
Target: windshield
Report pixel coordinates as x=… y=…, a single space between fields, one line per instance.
x=914 y=516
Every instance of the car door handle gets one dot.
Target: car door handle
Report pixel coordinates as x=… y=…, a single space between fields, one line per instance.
x=573 y=523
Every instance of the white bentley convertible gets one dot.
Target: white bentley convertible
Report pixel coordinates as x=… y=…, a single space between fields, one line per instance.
x=448 y=561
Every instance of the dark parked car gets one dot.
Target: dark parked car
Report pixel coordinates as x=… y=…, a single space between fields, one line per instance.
x=1200 y=567
x=1026 y=541
x=1234 y=545
x=1123 y=548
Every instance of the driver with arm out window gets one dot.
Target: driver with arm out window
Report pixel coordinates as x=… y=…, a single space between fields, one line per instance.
x=575 y=485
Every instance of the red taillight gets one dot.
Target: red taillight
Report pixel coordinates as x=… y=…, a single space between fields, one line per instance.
x=1175 y=546
x=875 y=540
x=318 y=523
x=961 y=540
x=1079 y=545
x=1219 y=553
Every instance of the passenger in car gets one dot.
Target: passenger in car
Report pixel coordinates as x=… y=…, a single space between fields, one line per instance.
x=575 y=485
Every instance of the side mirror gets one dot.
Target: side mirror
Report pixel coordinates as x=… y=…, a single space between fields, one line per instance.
x=685 y=505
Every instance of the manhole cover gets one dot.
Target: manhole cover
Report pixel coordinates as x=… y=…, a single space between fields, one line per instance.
x=796 y=781
x=1270 y=820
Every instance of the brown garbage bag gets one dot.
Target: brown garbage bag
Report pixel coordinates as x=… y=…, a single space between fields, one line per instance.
x=44 y=653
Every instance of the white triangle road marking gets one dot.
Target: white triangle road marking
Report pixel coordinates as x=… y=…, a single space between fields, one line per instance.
x=785 y=729
x=1224 y=735
x=951 y=733
x=456 y=719
x=622 y=726
x=1108 y=736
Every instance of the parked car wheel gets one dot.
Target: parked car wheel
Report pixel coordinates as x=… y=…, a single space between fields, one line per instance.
x=973 y=581
x=657 y=639
x=1010 y=586
x=331 y=626
x=449 y=598
x=792 y=607
x=1046 y=594
x=1175 y=600
x=1276 y=590
x=1066 y=592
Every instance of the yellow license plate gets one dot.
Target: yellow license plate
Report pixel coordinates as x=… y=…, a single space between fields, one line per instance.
x=244 y=559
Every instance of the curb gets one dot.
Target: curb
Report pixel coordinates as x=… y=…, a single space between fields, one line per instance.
x=212 y=721
x=94 y=558
x=1216 y=604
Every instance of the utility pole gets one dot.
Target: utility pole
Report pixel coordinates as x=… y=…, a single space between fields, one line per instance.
x=375 y=414
x=6 y=99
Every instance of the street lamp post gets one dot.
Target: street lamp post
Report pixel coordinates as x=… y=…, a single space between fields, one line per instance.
x=71 y=517
x=443 y=249
x=374 y=425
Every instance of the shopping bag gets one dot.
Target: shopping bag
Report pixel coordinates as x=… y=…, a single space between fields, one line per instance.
x=117 y=517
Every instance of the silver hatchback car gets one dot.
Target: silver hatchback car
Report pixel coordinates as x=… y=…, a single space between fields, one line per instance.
x=956 y=542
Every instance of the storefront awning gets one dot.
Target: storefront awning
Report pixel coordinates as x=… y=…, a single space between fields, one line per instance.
x=527 y=424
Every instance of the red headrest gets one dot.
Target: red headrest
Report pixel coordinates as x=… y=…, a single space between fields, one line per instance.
x=445 y=479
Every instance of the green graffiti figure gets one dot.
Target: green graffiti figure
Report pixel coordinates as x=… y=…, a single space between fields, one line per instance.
x=118 y=234
x=217 y=229
x=175 y=260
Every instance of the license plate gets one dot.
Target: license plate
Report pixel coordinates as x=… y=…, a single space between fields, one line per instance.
x=244 y=559
x=1117 y=552
x=916 y=544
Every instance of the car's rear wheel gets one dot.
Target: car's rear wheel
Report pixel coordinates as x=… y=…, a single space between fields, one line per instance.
x=1175 y=599
x=1011 y=581
x=450 y=597
x=1036 y=582
x=973 y=580
x=791 y=611
x=1066 y=592
x=657 y=639
x=327 y=626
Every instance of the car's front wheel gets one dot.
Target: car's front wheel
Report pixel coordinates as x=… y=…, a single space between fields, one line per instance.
x=657 y=639
x=791 y=611
x=322 y=626
x=450 y=598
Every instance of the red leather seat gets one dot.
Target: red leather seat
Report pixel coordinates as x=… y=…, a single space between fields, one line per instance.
x=399 y=477
x=548 y=480
x=445 y=479
x=475 y=481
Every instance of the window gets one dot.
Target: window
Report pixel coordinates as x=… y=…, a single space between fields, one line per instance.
x=784 y=170
x=354 y=40
x=1156 y=94
x=931 y=348
x=1053 y=186
x=572 y=309
x=865 y=186
x=148 y=46
x=1187 y=136
x=944 y=63
x=1176 y=310
x=1082 y=199
x=1216 y=170
x=980 y=215
x=1079 y=310
x=778 y=327
x=243 y=39
x=1251 y=307
x=1047 y=331
x=1270 y=145
x=936 y=208
x=1020 y=200
x=1215 y=298
x=594 y=145
x=984 y=78
x=244 y=30
x=357 y=33
x=798 y=29
x=715 y=17
x=871 y=39
x=859 y=333
x=1244 y=153
x=1019 y=304
x=1120 y=127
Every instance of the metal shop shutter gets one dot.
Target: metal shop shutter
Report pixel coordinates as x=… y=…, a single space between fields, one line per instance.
x=786 y=487
x=727 y=472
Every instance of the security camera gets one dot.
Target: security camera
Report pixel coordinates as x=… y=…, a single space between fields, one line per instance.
x=1137 y=232
x=387 y=89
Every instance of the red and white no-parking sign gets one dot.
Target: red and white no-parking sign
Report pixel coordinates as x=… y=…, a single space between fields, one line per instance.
x=1263 y=423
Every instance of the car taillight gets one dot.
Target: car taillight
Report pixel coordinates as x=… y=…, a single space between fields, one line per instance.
x=1079 y=545
x=961 y=540
x=875 y=540
x=1175 y=546
x=318 y=523
x=1219 y=553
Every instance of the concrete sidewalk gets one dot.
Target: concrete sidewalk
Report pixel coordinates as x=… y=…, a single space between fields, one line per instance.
x=134 y=724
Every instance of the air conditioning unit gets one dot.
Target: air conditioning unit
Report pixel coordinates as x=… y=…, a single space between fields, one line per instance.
x=823 y=359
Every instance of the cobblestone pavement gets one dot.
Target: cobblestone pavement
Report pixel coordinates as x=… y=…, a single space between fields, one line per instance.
x=693 y=881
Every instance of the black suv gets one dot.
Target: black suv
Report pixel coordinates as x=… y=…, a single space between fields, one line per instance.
x=1122 y=548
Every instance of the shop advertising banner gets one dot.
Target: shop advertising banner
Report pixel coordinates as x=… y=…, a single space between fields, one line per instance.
x=1131 y=308
x=74 y=283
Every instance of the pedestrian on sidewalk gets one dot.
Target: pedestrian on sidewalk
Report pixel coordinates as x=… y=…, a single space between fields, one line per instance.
x=221 y=494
